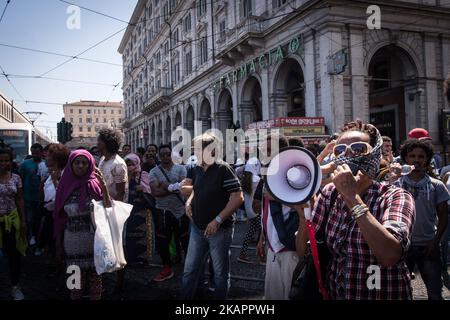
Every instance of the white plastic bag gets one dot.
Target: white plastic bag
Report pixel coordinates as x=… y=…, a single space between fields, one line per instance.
x=108 y=245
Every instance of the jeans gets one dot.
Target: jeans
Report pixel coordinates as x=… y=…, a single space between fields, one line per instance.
x=218 y=247
x=429 y=268
x=14 y=258
x=166 y=225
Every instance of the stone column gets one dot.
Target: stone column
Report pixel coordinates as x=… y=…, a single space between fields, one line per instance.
x=309 y=76
x=265 y=93
x=332 y=88
x=360 y=99
x=430 y=108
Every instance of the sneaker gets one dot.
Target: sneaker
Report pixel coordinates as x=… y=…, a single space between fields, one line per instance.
x=16 y=293
x=165 y=274
x=32 y=241
x=243 y=259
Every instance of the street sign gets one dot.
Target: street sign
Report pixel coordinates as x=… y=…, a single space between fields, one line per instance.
x=445 y=125
x=337 y=62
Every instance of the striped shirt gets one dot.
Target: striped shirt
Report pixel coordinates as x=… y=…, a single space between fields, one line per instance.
x=212 y=189
x=350 y=275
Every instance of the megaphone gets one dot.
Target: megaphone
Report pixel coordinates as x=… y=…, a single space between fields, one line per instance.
x=293 y=176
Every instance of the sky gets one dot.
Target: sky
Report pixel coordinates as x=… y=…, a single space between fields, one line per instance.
x=43 y=25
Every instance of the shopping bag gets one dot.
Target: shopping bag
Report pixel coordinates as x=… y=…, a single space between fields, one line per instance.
x=108 y=241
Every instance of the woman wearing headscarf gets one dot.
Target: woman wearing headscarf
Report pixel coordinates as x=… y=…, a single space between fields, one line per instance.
x=79 y=185
x=249 y=182
x=140 y=224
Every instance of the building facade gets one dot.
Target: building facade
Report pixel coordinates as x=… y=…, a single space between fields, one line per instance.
x=230 y=63
x=88 y=117
x=9 y=113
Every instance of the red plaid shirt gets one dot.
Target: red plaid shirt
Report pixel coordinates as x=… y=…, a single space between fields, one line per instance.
x=351 y=256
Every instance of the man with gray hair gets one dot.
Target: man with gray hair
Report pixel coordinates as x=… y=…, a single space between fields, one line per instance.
x=215 y=196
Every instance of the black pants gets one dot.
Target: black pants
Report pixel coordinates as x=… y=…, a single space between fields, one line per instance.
x=166 y=225
x=9 y=248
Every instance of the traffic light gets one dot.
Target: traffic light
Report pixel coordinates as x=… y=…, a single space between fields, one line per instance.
x=60 y=132
x=62 y=136
x=68 y=131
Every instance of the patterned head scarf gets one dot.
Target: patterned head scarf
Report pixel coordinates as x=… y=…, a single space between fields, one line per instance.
x=136 y=162
x=368 y=164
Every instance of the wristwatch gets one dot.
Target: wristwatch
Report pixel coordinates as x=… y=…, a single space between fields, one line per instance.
x=218 y=219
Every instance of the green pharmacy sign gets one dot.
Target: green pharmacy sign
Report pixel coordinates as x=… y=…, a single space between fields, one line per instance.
x=260 y=62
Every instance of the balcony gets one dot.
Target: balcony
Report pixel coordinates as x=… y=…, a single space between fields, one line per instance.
x=158 y=100
x=242 y=40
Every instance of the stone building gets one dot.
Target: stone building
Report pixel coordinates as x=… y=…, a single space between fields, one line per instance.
x=229 y=63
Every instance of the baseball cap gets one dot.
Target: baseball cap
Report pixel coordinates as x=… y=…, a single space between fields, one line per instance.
x=418 y=133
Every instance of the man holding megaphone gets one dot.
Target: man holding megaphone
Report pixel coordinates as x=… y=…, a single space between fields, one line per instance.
x=367 y=226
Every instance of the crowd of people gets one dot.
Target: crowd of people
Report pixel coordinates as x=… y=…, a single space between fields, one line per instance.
x=375 y=208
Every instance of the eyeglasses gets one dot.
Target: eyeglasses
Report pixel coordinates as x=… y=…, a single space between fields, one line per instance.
x=356 y=148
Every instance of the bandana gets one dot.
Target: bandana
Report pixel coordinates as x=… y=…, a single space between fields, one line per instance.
x=368 y=164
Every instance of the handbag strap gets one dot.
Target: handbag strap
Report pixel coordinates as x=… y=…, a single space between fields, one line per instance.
x=314 y=251
x=315 y=255
x=168 y=180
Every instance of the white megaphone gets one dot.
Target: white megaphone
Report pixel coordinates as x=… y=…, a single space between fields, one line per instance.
x=293 y=176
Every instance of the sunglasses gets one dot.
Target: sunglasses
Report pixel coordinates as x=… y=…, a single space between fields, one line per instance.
x=356 y=148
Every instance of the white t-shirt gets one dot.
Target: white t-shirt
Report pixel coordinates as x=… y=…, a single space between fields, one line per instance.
x=248 y=198
x=43 y=171
x=272 y=235
x=114 y=171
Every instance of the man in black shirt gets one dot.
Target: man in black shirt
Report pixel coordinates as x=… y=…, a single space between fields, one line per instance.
x=215 y=197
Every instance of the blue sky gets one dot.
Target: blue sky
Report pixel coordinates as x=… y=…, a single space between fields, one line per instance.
x=41 y=24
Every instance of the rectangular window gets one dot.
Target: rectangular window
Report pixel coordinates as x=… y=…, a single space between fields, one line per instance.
x=89 y=129
x=187 y=23
x=71 y=120
x=80 y=129
x=203 y=50
x=166 y=48
x=71 y=110
x=104 y=111
x=156 y=26
x=89 y=111
x=247 y=8
x=188 y=63
x=79 y=111
x=150 y=66
x=88 y=120
x=175 y=37
x=158 y=58
x=166 y=11
x=222 y=29
x=176 y=72
x=96 y=120
x=80 y=120
x=278 y=3
x=104 y=120
x=112 y=111
x=201 y=7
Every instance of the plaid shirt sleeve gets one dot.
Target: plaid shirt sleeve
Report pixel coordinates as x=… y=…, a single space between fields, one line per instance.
x=321 y=204
x=399 y=216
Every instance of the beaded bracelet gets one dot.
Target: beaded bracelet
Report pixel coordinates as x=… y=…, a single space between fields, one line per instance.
x=359 y=210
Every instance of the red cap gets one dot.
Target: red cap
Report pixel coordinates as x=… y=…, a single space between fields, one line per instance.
x=419 y=133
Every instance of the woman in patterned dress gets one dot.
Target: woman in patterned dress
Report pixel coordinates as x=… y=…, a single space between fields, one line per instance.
x=80 y=183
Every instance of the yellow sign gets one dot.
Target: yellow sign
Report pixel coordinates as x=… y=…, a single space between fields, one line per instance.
x=299 y=131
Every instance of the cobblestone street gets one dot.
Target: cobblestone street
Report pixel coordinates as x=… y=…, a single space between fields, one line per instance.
x=247 y=280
